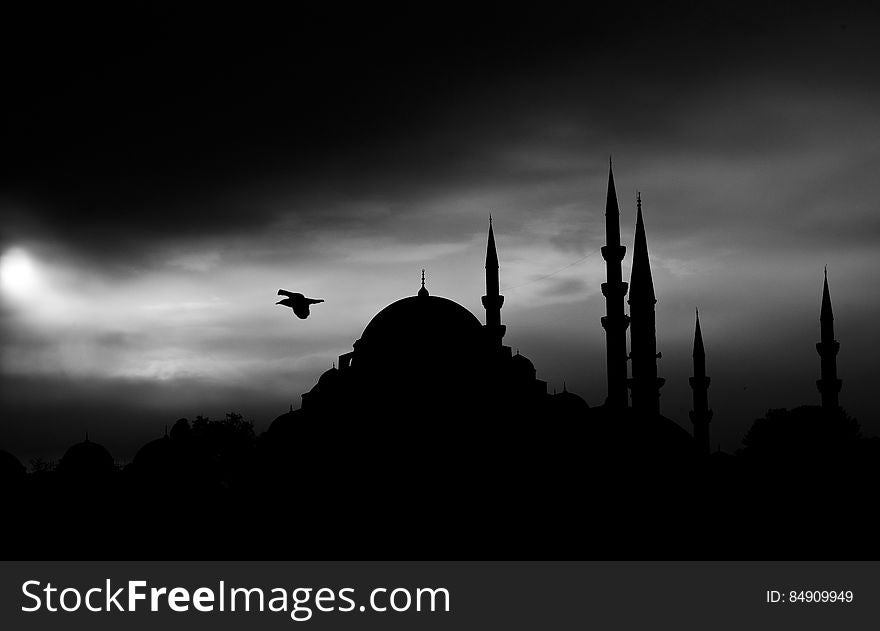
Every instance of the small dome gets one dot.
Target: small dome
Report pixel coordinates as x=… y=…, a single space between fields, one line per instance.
x=522 y=360
x=329 y=377
x=285 y=423
x=154 y=451
x=522 y=366
x=86 y=459
x=165 y=459
x=181 y=430
x=566 y=401
x=325 y=388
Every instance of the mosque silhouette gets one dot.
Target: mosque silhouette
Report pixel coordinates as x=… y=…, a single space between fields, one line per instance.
x=432 y=438
x=446 y=365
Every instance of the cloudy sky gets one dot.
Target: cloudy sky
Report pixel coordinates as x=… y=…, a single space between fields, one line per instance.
x=165 y=171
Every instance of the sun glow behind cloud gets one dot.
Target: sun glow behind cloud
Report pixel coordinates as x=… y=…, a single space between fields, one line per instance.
x=19 y=277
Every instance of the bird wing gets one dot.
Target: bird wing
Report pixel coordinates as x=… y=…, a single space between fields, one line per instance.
x=301 y=310
x=289 y=294
x=314 y=301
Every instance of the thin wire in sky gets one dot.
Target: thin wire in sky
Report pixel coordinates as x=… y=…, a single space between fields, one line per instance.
x=551 y=274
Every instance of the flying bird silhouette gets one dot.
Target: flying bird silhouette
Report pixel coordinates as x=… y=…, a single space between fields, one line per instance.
x=297 y=302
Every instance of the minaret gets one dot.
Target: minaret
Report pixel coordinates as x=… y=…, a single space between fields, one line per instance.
x=829 y=384
x=615 y=320
x=493 y=299
x=701 y=414
x=645 y=384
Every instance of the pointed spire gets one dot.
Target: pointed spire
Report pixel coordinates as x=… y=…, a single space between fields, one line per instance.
x=491 y=251
x=829 y=384
x=641 y=283
x=699 y=351
x=826 y=313
x=612 y=211
x=645 y=384
x=493 y=300
x=701 y=415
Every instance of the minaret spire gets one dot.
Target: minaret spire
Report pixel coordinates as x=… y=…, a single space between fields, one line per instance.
x=645 y=384
x=615 y=320
x=701 y=415
x=828 y=384
x=493 y=300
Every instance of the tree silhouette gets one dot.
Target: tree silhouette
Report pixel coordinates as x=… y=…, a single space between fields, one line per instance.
x=802 y=434
x=227 y=444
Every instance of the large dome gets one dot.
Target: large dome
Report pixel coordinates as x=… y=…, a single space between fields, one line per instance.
x=419 y=318
x=421 y=349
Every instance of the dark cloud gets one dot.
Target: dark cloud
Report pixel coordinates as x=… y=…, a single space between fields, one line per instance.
x=135 y=124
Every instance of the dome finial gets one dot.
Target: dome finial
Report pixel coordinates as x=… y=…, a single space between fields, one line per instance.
x=423 y=292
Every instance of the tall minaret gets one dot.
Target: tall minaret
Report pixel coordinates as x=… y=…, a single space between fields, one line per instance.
x=829 y=384
x=493 y=300
x=645 y=384
x=701 y=414
x=615 y=320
